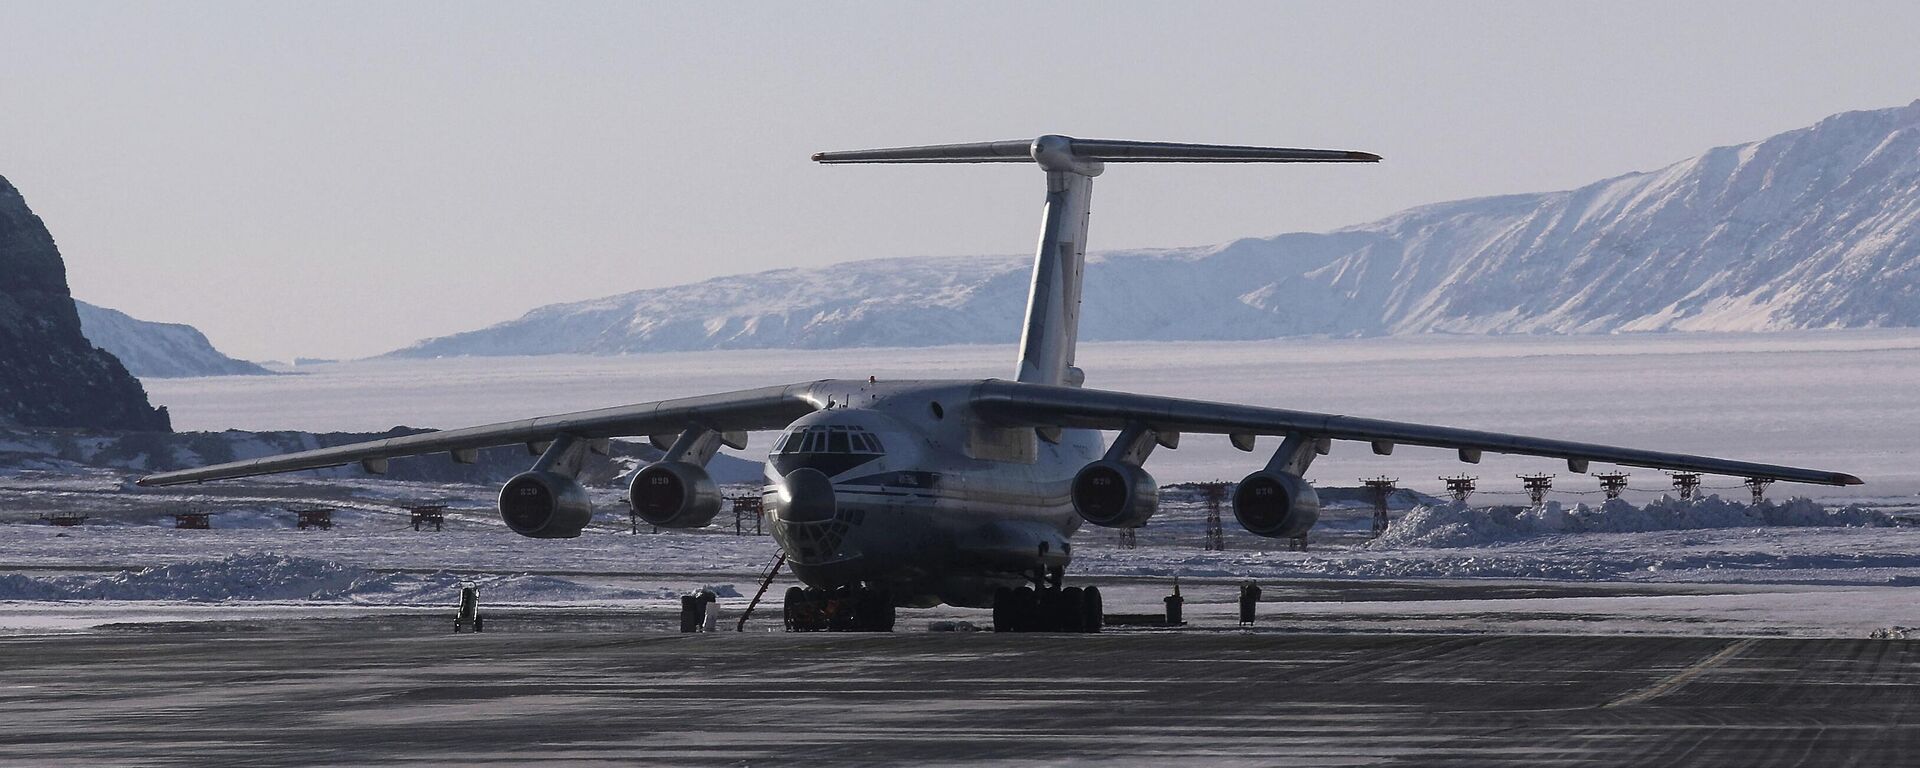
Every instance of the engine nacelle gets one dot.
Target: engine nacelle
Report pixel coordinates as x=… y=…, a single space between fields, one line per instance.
x=1276 y=505
x=674 y=494
x=545 y=505
x=1115 y=494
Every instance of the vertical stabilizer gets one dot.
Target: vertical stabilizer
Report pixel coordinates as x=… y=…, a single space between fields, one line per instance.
x=1053 y=302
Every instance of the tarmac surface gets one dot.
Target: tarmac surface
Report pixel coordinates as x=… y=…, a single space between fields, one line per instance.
x=585 y=688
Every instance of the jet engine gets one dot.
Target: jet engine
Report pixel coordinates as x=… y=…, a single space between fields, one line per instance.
x=674 y=494
x=1276 y=505
x=545 y=505
x=1115 y=494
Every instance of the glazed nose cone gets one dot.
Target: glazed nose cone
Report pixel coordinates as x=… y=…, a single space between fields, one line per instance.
x=805 y=495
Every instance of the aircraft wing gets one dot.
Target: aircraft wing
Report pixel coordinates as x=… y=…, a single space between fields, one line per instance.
x=746 y=410
x=1042 y=405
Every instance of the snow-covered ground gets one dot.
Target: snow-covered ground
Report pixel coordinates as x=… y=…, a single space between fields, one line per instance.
x=1669 y=566
x=1845 y=563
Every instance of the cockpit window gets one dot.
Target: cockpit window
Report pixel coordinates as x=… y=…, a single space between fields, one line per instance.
x=834 y=439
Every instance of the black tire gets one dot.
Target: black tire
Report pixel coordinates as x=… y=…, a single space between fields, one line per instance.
x=813 y=611
x=1047 y=611
x=1003 y=610
x=842 y=603
x=1073 y=611
x=790 y=612
x=1026 y=610
x=479 y=624
x=1093 y=614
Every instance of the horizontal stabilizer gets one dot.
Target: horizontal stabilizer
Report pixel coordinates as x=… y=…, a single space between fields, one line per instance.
x=1101 y=150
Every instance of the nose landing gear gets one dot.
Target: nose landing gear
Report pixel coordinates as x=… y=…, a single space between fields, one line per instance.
x=846 y=609
x=1048 y=609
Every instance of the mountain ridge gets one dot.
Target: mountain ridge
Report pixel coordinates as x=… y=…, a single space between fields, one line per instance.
x=158 y=350
x=1818 y=227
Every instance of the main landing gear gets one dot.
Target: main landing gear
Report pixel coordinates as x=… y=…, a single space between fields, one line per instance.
x=846 y=609
x=1046 y=607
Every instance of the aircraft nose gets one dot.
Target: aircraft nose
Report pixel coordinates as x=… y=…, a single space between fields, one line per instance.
x=806 y=496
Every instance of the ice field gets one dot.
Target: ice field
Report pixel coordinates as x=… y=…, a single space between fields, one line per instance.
x=1844 y=400
x=1843 y=564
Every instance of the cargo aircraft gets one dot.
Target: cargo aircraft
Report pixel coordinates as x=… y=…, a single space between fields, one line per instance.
x=883 y=494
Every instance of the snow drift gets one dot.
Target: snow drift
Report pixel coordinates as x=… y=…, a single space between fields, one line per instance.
x=1459 y=525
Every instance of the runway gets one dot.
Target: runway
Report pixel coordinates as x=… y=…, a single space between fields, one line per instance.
x=586 y=690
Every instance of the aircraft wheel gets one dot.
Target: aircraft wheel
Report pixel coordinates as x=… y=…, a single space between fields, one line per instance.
x=1002 y=610
x=1093 y=616
x=1073 y=610
x=842 y=604
x=1026 y=609
x=1049 y=610
x=791 y=611
x=810 y=611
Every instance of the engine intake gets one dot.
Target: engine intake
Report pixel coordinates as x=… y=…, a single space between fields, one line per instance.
x=1276 y=505
x=674 y=494
x=545 y=505
x=1114 y=494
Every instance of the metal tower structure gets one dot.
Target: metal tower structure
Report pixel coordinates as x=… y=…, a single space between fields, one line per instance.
x=1382 y=488
x=1687 y=483
x=1214 y=492
x=1537 y=485
x=1612 y=483
x=1461 y=486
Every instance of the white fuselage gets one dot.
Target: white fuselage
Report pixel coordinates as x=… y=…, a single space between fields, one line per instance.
x=927 y=502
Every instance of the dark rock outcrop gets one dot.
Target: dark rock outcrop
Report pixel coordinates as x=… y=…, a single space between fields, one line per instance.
x=50 y=375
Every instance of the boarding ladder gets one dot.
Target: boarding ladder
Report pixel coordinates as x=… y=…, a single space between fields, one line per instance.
x=766 y=580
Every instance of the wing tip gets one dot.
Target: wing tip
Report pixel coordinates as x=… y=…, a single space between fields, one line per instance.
x=1841 y=478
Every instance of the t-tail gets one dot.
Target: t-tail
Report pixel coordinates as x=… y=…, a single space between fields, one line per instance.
x=1053 y=306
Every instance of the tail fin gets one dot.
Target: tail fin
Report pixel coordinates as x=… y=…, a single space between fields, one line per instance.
x=1053 y=306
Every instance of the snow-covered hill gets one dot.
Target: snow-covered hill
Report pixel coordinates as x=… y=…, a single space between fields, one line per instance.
x=1813 y=228
x=157 y=350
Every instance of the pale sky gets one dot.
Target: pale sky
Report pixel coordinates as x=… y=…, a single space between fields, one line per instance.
x=340 y=179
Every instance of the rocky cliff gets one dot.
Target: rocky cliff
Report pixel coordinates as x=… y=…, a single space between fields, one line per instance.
x=50 y=375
